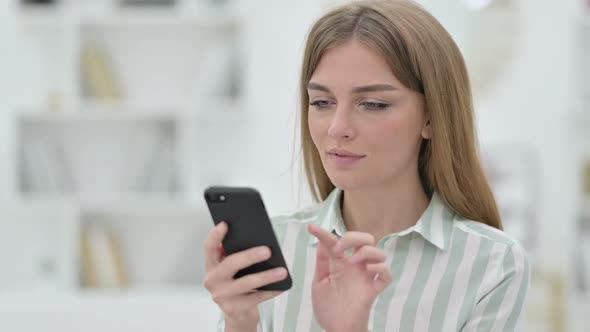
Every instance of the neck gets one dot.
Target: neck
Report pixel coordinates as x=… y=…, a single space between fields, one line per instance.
x=384 y=210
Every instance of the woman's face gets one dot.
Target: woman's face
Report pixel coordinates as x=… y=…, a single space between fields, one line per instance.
x=366 y=126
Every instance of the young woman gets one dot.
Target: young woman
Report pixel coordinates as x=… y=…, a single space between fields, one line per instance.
x=406 y=235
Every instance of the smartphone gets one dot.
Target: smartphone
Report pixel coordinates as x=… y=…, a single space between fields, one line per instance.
x=249 y=226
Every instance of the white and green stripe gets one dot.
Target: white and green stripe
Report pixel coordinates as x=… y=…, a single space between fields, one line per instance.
x=450 y=274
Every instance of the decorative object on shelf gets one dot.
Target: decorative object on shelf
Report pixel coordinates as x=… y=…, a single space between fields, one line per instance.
x=45 y=168
x=54 y=101
x=218 y=73
x=547 y=301
x=487 y=32
x=98 y=75
x=159 y=173
x=102 y=260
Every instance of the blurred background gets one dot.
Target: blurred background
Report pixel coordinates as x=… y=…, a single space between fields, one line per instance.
x=116 y=114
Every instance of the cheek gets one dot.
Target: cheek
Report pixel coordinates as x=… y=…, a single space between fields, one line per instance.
x=396 y=136
x=316 y=128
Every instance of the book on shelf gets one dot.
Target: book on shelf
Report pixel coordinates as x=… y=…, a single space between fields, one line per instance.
x=45 y=165
x=98 y=74
x=159 y=172
x=102 y=260
x=218 y=71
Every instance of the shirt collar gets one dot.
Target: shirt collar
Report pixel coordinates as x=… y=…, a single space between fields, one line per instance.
x=434 y=225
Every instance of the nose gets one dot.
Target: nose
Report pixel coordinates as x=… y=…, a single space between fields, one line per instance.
x=341 y=126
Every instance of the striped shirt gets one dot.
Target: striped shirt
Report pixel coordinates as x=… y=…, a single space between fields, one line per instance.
x=449 y=274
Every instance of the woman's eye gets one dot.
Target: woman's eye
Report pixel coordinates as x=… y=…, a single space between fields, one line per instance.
x=374 y=106
x=320 y=104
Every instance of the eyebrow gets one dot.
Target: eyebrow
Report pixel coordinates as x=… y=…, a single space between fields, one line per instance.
x=366 y=88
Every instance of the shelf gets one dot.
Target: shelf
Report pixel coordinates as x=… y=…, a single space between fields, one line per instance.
x=167 y=105
x=172 y=295
x=131 y=293
x=137 y=206
x=181 y=309
x=122 y=204
x=95 y=115
x=94 y=110
x=156 y=17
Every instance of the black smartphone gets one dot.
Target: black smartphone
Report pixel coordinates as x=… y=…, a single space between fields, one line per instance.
x=249 y=226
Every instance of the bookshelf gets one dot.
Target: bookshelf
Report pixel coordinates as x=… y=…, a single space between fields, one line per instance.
x=117 y=132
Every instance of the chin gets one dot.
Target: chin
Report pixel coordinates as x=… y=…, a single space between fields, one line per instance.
x=348 y=181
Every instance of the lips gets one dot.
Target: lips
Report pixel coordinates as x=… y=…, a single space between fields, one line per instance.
x=343 y=158
x=344 y=153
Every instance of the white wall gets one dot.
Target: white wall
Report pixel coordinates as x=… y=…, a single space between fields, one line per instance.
x=275 y=46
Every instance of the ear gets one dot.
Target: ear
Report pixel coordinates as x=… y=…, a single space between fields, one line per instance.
x=427 y=128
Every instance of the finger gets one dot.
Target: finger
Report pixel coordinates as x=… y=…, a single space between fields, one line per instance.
x=352 y=240
x=322 y=265
x=383 y=274
x=327 y=239
x=251 y=282
x=213 y=254
x=237 y=261
x=367 y=254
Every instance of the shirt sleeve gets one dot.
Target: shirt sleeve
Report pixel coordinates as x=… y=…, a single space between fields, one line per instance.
x=502 y=308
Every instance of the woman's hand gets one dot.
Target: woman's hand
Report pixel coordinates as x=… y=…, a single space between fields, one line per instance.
x=237 y=298
x=345 y=287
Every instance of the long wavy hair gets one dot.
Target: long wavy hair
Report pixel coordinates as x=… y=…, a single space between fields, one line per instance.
x=422 y=56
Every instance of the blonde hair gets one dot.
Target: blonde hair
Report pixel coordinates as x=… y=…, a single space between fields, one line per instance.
x=423 y=56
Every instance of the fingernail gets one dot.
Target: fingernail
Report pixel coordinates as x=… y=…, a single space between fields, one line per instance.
x=279 y=273
x=262 y=252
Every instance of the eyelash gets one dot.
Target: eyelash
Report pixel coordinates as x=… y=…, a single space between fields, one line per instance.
x=320 y=104
x=370 y=106
x=375 y=106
